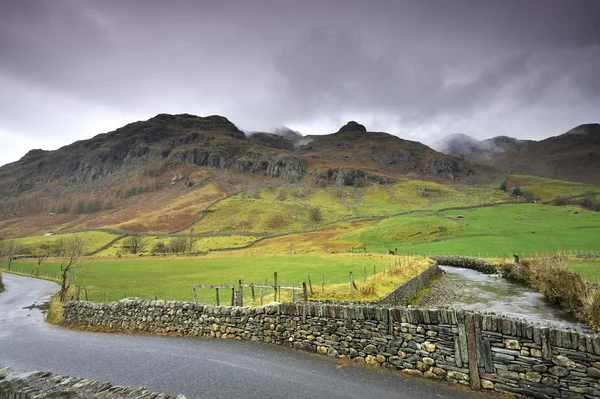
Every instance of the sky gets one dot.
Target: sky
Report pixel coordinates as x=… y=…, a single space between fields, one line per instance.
x=419 y=69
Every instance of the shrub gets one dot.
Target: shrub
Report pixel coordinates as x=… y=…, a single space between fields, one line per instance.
x=561 y=201
x=368 y=289
x=315 y=214
x=159 y=248
x=177 y=245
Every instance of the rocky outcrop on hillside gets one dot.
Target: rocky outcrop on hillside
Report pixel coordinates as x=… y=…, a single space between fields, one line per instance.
x=352 y=126
x=449 y=168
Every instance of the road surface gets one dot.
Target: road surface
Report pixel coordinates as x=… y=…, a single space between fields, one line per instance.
x=195 y=367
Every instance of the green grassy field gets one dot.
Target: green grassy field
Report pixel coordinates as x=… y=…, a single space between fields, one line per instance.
x=95 y=239
x=171 y=277
x=491 y=231
x=548 y=189
x=201 y=244
x=589 y=269
x=349 y=217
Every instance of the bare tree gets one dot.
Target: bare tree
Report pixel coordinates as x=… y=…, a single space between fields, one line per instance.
x=191 y=241
x=41 y=257
x=178 y=245
x=8 y=250
x=135 y=244
x=70 y=250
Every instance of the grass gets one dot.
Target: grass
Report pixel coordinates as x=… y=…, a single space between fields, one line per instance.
x=589 y=269
x=171 y=278
x=95 y=239
x=202 y=244
x=548 y=189
x=498 y=231
x=374 y=286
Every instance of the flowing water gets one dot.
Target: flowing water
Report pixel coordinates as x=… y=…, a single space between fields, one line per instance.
x=471 y=290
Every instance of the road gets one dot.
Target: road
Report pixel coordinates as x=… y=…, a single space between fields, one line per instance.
x=195 y=367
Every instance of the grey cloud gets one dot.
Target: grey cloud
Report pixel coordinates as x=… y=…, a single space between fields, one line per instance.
x=420 y=69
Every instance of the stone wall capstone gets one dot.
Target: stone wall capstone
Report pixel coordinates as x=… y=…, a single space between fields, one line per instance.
x=484 y=351
x=44 y=384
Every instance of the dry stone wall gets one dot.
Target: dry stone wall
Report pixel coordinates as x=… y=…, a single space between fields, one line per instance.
x=402 y=294
x=480 y=350
x=15 y=385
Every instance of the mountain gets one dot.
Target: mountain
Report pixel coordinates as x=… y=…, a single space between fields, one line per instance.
x=572 y=156
x=169 y=154
x=216 y=142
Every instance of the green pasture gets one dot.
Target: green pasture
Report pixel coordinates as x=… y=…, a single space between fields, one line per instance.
x=549 y=189
x=291 y=208
x=491 y=231
x=44 y=244
x=201 y=244
x=589 y=269
x=170 y=278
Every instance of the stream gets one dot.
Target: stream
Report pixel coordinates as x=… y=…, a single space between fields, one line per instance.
x=472 y=290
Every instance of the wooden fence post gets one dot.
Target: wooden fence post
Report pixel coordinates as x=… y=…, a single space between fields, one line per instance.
x=232 y=296
x=195 y=295
x=310 y=285
x=305 y=292
x=261 y=296
x=322 y=282
x=351 y=285
x=275 y=284
x=252 y=289
x=218 y=301
x=241 y=293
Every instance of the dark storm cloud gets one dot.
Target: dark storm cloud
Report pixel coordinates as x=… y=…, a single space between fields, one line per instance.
x=419 y=69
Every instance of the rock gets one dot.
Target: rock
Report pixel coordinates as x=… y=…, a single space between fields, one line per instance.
x=421 y=366
x=512 y=344
x=370 y=349
x=428 y=361
x=371 y=360
x=352 y=126
x=593 y=372
x=540 y=368
x=558 y=371
x=429 y=374
x=562 y=361
x=485 y=384
x=413 y=372
x=380 y=358
x=439 y=371
x=536 y=353
x=332 y=353
x=448 y=168
x=552 y=382
x=428 y=346
x=457 y=375
x=322 y=350
x=533 y=376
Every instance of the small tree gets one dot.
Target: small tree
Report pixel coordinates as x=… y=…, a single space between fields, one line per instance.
x=178 y=245
x=41 y=257
x=70 y=250
x=135 y=244
x=8 y=250
x=191 y=241
x=159 y=248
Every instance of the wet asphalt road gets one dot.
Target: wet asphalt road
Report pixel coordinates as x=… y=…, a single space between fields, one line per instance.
x=197 y=368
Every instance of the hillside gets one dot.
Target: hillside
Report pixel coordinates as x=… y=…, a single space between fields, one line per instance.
x=572 y=156
x=160 y=174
